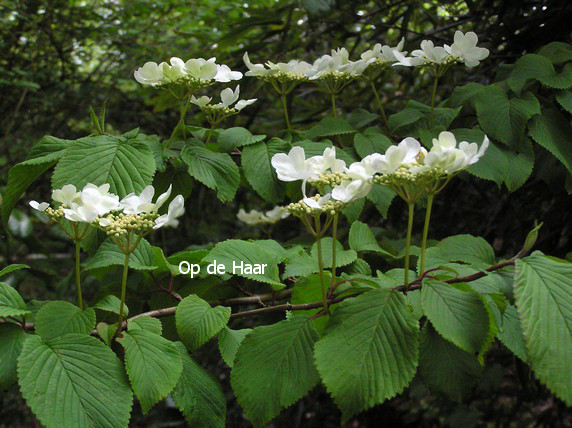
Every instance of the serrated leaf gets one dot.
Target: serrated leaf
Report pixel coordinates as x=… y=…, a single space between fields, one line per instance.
x=198 y=322
x=198 y=395
x=362 y=239
x=150 y=324
x=128 y=166
x=552 y=131
x=274 y=368
x=231 y=138
x=12 y=268
x=255 y=161
x=564 y=98
x=74 y=381
x=542 y=296
x=12 y=338
x=153 y=365
x=370 y=351
x=343 y=257
x=511 y=333
x=58 y=318
x=109 y=254
x=11 y=303
x=301 y=264
x=360 y=117
x=444 y=367
x=329 y=126
x=537 y=67
x=371 y=142
x=457 y=313
x=405 y=117
x=469 y=249
x=521 y=162
x=382 y=197
x=228 y=342
x=111 y=303
x=557 y=52
x=217 y=171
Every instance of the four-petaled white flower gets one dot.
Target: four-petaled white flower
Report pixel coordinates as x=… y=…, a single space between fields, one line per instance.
x=176 y=210
x=317 y=202
x=293 y=166
x=327 y=162
x=201 y=69
x=465 y=49
x=254 y=70
x=201 y=102
x=384 y=53
x=428 y=54
x=225 y=74
x=254 y=217
x=404 y=153
x=150 y=74
x=350 y=190
x=40 y=206
x=142 y=203
x=66 y=195
x=228 y=98
x=99 y=199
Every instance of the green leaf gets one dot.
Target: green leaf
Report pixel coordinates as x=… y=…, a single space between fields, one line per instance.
x=43 y=156
x=360 y=117
x=58 y=318
x=274 y=368
x=313 y=148
x=11 y=303
x=542 y=295
x=308 y=290
x=460 y=248
x=521 y=162
x=329 y=126
x=128 y=166
x=511 y=333
x=465 y=94
x=371 y=142
x=301 y=264
x=405 y=117
x=109 y=254
x=150 y=324
x=231 y=138
x=382 y=197
x=457 y=313
x=250 y=253
x=198 y=395
x=442 y=116
x=343 y=257
x=228 y=342
x=552 y=131
x=370 y=350
x=537 y=67
x=74 y=381
x=564 y=98
x=111 y=303
x=12 y=338
x=217 y=171
x=362 y=238
x=259 y=172
x=198 y=322
x=444 y=367
x=12 y=268
x=153 y=364
x=505 y=119
x=557 y=52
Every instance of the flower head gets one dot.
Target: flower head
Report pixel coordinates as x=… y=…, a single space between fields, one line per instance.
x=176 y=210
x=465 y=49
x=142 y=203
x=293 y=166
x=428 y=54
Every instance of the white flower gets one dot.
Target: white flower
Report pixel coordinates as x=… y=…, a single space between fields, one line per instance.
x=40 y=206
x=66 y=195
x=318 y=202
x=276 y=214
x=465 y=49
x=384 y=53
x=133 y=204
x=252 y=217
x=293 y=67
x=337 y=62
x=150 y=74
x=175 y=70
x=363 y=170
x=472 y=150
x=404 y=153
x=176 y=210
x=256 y=70
x=105 y=222
x=349 y=190
x=244 y=103
x=201 y=69
x=86 y=213
x=98 y=199
x=429 y=53
x=225 y=74
x=293 y=166
x=322 y=164
x=228 y=97
x=202 y=102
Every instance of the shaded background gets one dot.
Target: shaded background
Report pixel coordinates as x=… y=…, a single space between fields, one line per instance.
x=59 y=57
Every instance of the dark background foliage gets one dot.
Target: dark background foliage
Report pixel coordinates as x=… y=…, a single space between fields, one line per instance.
x=58 y=57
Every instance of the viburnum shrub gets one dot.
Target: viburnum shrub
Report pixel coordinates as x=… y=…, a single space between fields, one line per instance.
x=430 y=308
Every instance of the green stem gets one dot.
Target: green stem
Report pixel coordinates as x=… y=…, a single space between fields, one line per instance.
x=321 y=262
x=333 y=97
x=379 y=103
x=78 y=275
x=433 y=95
x=210 y=133
x=180 y=124
x=334 y=250
x=123 y=292
x=425 y=233
x=408 y=243
x=285 y=107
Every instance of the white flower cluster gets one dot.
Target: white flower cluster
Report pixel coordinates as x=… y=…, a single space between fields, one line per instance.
x=196 y=71
x=406 y=161
x=228 y=97
x=96 y=205
x=464 y=49
x=254 y=217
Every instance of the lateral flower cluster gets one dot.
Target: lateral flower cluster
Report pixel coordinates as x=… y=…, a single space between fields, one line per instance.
x=97 y=206
x=228 y=97
x=254 y=217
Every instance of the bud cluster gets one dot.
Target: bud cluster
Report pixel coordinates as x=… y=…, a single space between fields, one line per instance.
x=120 y=224
x=55 y=214
x=299 y=209
x=284 y=77
x=337 y=76
x=332 y=180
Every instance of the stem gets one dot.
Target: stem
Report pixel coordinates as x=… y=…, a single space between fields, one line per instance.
x=333 y=97
x=285 y=107
x=408 y=243
x=435 y=82
x=78 y=275
x=379 y=103
x=181 y=123
x=425 y=232
x=334 y=249
x=320 y=261
x=123 y=292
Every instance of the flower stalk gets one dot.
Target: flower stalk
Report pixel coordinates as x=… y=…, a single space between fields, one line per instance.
x=411 y=207
x=319 y=233
x=430 y=198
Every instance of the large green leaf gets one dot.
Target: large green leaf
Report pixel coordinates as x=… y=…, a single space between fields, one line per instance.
x=217 y=171
x=381 y=196
x=511 y=333
x=153 y=364
x=198 y=395
x=12 y=338
x=362 y=239
x=274 y=368
x=43 y=156
x=371 y=142
x=74 y=381
x=521 y=161
x=128 y=166
x=231 y=138
x=109 y=254
x=329 y=126
x=539 y=68
x=444 y=367
x=343 y=257
x=370 y=351
x=552 y=131
x=259 y=172
x=111 y=303
x=457 y=313
x=469 y=249
x=198 y=322
x=542 y=291
x=12 y=268
x=228 y=342
x=11 y=303
x=58 y=318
